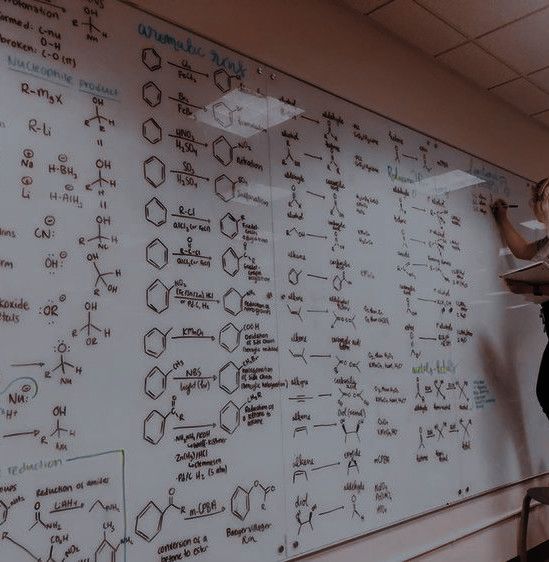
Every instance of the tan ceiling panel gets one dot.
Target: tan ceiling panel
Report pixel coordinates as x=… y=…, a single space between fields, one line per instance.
x=543 y=118
x=365 y=6
x=474 y=63
x=523 y=44
x=524 y=96
x=541 y=78
x=475 y=17
x=416 y=25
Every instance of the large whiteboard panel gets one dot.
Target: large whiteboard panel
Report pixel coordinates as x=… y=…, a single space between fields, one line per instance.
x=242 y=318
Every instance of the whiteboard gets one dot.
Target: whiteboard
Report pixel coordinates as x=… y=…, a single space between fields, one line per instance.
x=241 y=318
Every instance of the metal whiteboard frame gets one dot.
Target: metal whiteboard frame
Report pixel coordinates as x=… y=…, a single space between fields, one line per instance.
x=448 y=505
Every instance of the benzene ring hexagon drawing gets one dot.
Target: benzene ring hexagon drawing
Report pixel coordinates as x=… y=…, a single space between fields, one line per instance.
x=155 y=212
x=155 y=383
x=240 y=503
x=229 y=377
x=154 y=427
x=232 y=302
x=104 y=553
x=149 y=522
x=229 y=337
x=228 y=226
x=224 y=188
x=222 y=150
x=230 y=262
x=229 y=417
x=152 y=94
x=223 y=114
x=154 y=171
x=151 y=59
x=158 y=296
x=222 y=79
x=152 y=131
x=154 y=343
x=293 y=276
x=157 y=254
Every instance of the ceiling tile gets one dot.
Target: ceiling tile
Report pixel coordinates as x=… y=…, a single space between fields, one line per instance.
x=474 y=63
x=374 y=4
x=412 y=23
x=541 y=78
x=523 y=44
x=475 y=17
x=543 y=117
x=365 y=6
x=523 y=95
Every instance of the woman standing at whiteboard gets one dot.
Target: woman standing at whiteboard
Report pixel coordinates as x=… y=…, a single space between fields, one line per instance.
x=535 y=251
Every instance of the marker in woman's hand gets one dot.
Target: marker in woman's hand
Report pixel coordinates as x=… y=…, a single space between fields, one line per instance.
x=510 y=206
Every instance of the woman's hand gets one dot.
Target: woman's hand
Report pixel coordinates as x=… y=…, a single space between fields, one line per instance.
x=499 y=210
x=519 y=287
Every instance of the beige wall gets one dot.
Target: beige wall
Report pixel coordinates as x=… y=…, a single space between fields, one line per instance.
x=327 y=45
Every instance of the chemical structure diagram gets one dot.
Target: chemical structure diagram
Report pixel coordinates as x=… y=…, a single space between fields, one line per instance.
x=336 y=230
x=242 y=499
x=154 y=425
x=223 y=114
x=233 y=301
x=352 y=463
x=349 y=432
x=38 y=519
x=298 y=355
x=440 y=431
x=443 y=391
x=295 y=209
x=343 y=320
x=229 y=225
x=223 y=150
x=289 y=157
x=304 y=515
x=335 y=211
x=346 y=363
x=293 y=276
x=100 y=240
x=92 y=332
x=295 y=311
x=101 y=182
x=152 y=94
x=332 y=165
x=158 y=296
x=93 y=32
x=225 y=187
x=63 y=367
x=154 y=342
x=98 y=118
x=150 y=520
x=101 y=277
x=339 y=281
x=230 y=260
x=355 y=511
x=223 y=80
x=106 y=551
